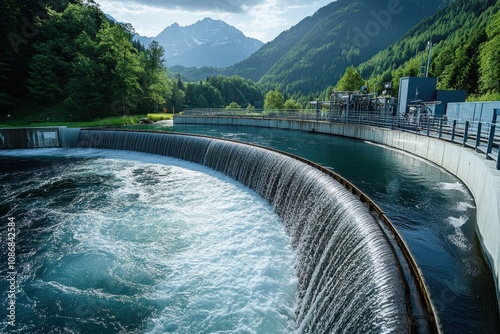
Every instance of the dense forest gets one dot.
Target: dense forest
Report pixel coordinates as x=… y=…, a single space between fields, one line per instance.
x=68 y=61
x=69 y=57
x=311 y=57
x=65 y=60
x=465 y=37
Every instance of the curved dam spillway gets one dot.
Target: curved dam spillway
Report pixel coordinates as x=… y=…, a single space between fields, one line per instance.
x=350 y=276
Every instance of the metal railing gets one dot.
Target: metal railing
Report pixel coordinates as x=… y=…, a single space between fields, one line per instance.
x=484 y=137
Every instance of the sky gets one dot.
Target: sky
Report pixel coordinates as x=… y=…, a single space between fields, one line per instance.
x=260 y=19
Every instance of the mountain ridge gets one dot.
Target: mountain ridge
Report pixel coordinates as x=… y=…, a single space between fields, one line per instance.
x=315 y=53
x=207 y=42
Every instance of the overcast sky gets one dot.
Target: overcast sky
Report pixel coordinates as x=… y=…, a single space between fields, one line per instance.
x=261 y=19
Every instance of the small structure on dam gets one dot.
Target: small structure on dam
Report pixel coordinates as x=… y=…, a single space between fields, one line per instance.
x=416 y=96
x=43 y=137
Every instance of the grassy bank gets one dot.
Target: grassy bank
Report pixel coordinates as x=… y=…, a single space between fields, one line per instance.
x=110 y=121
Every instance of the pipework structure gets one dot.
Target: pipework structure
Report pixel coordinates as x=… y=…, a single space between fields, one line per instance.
x=343 y=104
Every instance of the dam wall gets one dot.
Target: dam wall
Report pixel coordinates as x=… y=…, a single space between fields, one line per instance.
x=350 y=276
x=477 y=173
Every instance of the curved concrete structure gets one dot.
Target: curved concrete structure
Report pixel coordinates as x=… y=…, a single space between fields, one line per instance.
x=478 y=174
x=351 y=277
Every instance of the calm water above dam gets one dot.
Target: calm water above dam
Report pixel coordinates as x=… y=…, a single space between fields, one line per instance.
x=431 y=208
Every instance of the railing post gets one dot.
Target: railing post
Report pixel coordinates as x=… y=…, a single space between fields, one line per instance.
x=453 y=130
x=490 y=140
x=466 y=133
x=428 y=127
x=347 y=108
x=440 y=129
x=478 y=135
x=498 y=160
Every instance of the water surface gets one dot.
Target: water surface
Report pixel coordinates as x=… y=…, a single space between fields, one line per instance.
x=122 y=242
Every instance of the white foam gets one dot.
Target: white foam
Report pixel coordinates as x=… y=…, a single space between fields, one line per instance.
x=210 y=253
x=448 y=186
x=458 y=222
x=458 y=238
x=464 y=206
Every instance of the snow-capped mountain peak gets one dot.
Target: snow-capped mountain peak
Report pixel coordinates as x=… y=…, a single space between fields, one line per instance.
x=207 y=42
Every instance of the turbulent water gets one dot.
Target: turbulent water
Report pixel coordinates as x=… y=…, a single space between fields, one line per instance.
x=431 y=208
x=114 y=242
x=348 y=274
x=200 y=275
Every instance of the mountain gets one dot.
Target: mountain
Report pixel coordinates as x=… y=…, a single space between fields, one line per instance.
x=111 y=18
x=206 y=43
x=315 y=53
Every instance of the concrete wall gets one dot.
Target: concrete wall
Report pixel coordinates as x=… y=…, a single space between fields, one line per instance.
x=29 y=138
x=478 y=174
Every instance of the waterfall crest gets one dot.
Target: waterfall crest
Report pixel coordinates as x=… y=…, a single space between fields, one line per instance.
x=349 y=277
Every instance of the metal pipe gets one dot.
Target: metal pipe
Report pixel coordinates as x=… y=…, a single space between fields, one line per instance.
x=428 y=60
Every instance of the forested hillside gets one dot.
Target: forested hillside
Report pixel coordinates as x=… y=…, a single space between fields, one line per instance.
x=315 y=53
x=71 y=57
x=465 y=54
x=68 y=61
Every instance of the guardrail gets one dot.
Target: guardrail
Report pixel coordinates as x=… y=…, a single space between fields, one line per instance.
x=484 y=137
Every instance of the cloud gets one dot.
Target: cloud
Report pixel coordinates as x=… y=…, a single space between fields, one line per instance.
x=261 y=19
x=226 y=6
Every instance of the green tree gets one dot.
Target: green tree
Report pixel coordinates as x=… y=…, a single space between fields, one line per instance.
x=84 y=87
x=176 y=100
x=291 y=104
x=6 y=99
x=123 y=67
x=155 y=83
x=350 y=81
x=44 y=82
x=274 y=100
x=233 y=105
x=202 y=101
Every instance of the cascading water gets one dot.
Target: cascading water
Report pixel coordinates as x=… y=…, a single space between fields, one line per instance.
x=124 y=242
x=349 y=276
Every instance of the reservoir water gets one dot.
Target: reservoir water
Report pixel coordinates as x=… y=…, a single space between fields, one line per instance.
x=431 y=208
x=123 y=242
